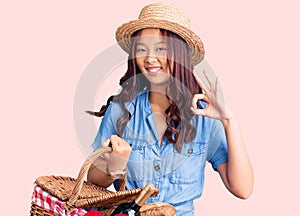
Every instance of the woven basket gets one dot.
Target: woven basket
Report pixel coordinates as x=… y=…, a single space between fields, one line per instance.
x=77 y=193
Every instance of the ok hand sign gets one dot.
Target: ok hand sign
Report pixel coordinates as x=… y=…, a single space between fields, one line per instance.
x=212 y=95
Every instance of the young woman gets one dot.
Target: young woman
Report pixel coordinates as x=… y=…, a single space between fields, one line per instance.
x=167 y=122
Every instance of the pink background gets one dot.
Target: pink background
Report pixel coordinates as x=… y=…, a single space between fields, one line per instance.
x=253 y=46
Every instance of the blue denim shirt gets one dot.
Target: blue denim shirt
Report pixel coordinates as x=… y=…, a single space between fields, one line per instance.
x=179 y=176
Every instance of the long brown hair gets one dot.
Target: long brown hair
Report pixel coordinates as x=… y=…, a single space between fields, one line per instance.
x=180 y=90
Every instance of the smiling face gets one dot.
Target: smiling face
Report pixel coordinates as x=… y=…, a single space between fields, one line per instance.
x=151 y=57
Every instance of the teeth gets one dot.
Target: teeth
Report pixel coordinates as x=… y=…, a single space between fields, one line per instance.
x=153 y=70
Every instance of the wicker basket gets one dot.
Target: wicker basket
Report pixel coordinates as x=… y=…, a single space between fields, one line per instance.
x=77 y=193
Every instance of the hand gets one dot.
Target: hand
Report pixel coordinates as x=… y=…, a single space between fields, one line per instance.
x=118 y=158
x=213 y=96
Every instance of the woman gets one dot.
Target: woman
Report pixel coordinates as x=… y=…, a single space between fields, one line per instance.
x=167 y=122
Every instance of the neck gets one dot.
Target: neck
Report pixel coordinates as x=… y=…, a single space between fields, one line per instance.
x=159 y=88
x=159 y=99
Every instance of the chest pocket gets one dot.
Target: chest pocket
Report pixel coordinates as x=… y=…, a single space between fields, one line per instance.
x=188 y=166
x=138 y=166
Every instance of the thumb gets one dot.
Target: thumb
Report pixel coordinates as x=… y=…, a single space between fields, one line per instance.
x=106 y=156
x=201 y=112
x=106 y=143
x=196 y=98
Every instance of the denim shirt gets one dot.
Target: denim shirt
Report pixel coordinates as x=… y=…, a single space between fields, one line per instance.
x=178 y=175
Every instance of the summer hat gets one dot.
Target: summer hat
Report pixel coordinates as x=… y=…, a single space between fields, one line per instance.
x=165 y=17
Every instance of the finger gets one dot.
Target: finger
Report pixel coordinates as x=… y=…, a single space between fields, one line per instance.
x=124 y=146
x=217 y=83
x=122 y=142
x=202 y=85
x=114 y=140
x=106 y=156
x=201 y=112
x=208 y=80
x=117 y=162
x=218 y=86
x=106 y=143
x=196 y=98
x=219 y=92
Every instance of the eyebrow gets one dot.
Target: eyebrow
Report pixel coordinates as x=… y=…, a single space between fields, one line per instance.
x=159 y=42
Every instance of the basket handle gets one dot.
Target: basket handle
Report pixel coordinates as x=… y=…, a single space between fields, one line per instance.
x=83 y=172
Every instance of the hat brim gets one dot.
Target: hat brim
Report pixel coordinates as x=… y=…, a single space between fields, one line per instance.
x=125 y=31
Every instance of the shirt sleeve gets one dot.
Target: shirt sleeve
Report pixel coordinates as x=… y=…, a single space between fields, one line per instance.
x=217 y=149
x=106 y=129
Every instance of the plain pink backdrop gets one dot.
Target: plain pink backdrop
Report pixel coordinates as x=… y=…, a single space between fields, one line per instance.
x=253 y=46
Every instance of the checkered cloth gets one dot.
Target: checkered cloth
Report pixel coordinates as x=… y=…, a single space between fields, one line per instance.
x=51 y=204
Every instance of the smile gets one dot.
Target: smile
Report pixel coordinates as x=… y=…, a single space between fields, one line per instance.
x=154 y=70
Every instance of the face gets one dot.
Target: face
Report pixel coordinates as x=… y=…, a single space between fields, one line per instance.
x=151 y=57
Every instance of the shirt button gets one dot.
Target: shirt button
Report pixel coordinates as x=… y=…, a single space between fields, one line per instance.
x=156 y=167
x=190 y=151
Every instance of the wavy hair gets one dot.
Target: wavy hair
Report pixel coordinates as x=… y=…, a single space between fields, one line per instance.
x=181 y=87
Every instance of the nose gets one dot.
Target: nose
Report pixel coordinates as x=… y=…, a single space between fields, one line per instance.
x=151 y=57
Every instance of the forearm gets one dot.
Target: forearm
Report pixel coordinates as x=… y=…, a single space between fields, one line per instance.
x=97 y=174
x=239 y=172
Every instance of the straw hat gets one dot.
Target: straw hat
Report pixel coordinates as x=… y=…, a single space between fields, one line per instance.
x=165 y=17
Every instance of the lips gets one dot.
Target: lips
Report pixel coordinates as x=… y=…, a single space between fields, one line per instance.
x=154 y=70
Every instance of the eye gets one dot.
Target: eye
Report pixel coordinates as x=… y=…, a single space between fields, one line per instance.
x=161 y=49
x=140 y=50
